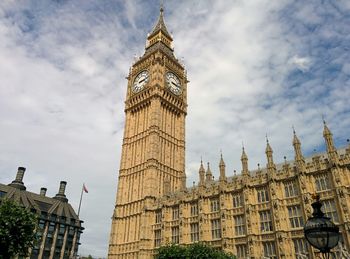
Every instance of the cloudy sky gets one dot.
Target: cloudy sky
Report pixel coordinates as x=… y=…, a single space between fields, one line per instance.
x=255 y=68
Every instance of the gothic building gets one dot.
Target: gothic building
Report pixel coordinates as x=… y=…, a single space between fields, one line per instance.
x=256 y=214
x=59 y=228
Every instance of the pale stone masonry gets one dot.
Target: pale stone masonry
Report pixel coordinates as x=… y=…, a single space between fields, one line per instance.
x=255 y=214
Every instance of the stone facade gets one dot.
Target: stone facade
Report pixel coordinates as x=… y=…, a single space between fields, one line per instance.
x=254 y=214
x=59 y=228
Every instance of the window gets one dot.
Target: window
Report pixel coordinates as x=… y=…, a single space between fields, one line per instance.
x=2 y=194
x=62 y=229
x=239 y=225
x=214 y=205
x=322 y=182
x=300 y=247
x=269 y=249
x=175 y=235
x=51 y=227
x=157 y=237
x=175 y=212
x=263 y=195
x=194 y=209
x=237 y=200
x=194 y=232
x=295 y=217
x=265 y=221
x=241 y=251
x=215 y=229
x=329 y=208
x=41 y=224
x=290 y=189
x=158 y=216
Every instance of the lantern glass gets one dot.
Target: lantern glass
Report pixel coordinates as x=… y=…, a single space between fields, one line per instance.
x=321 y=233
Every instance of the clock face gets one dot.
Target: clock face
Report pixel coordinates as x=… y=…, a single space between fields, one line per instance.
x=140 y=81
x=173 y=83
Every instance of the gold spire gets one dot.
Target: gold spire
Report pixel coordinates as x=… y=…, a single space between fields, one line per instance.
x=244 y=159
x=328 y=137
x=296 y=140
x=201 y=173
x=222 y=163
x=326 y=131
x=268 y=149
x=269 y=152
x=222 y=169
x=209 y=175
x=244 y=155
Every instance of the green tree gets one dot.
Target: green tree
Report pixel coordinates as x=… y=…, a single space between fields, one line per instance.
x=17 y=229
x=194 y=251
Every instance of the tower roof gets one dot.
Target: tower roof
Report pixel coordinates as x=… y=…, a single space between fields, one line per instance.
x=244 y=155
x=326 y=131
x=160 y=26
x=268 y=147
x=222 y=163
x=296 y=140
x=201 y=168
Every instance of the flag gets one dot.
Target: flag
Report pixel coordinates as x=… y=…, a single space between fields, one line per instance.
x=84 y=188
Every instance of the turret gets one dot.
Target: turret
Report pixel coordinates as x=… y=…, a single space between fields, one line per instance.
x=208 y=175
x=201 y=174
x=331 y=150
x=298 y=155
x=244 y=160
x=269 y=152
x=222 y=167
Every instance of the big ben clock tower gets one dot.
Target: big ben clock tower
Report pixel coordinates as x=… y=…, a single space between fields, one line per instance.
x=153 y=150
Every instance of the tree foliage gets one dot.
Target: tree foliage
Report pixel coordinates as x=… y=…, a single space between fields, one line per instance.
x=194 y=251
x=17 y=229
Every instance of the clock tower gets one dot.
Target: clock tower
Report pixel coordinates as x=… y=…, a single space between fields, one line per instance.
x=153 y=151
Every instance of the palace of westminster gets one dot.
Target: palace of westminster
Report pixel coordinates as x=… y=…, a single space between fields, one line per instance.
x=256 y=214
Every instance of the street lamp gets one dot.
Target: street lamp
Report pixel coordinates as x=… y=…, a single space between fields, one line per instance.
x=320 y=231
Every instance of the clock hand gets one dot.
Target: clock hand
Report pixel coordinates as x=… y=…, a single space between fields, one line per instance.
x=142 y=80
x=174 y=84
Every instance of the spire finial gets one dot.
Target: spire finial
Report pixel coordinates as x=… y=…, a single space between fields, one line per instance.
x=293 y=129
x=201 y=161
x=324 y=120
x=161 y=9
x=267 y=139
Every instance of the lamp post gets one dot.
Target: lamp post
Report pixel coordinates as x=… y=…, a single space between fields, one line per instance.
x=320 y=231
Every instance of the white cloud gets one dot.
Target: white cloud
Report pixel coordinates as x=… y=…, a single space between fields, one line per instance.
x=302 y=63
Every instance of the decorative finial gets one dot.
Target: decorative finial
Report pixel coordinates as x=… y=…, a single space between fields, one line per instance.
x=161 y=6
x=194 y=183
x=267 y=139
x=234 y=172
x=285 y=159
x=323 y=119
x=293 y=129
x=259 y=166
x=201 y=161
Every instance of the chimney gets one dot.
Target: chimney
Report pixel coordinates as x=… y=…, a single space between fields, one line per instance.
x=43 y=191
x=61 y=195
x=18 y=182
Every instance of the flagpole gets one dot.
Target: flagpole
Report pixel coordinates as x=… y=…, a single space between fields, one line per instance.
x=81 y=197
